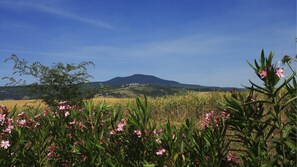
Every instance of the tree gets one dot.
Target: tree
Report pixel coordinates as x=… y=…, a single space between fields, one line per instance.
x=56 y=83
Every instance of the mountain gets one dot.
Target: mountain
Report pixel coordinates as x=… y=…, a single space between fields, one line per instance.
x=153 y=80
x=130 y=86
x=139 y=79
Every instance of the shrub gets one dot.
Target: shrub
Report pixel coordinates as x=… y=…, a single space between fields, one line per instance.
x=265 y=127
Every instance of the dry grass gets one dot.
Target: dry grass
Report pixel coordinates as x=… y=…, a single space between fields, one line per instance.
x=176 y=108
x=111 y=100
x=38 y=103
x=193 y=105
x=22 y=103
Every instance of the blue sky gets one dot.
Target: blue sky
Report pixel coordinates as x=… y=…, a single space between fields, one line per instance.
x=204 y=42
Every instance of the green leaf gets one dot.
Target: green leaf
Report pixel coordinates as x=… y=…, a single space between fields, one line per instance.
x=148 y=165
x=262 y=58
x=256 y=70
x=287 y=131
x=100 y=147
x=270 y=57
x=182 y=147
x=13 y=111
x=291 y=145
x=288 y=102
x=259 y=88
x=283 y=84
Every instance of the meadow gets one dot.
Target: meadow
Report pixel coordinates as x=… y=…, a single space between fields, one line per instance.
x=257 y=127
x=176 y=108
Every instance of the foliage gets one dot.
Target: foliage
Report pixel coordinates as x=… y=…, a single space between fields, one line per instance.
x=60 y=82
x=264 y=122
x=257 y=129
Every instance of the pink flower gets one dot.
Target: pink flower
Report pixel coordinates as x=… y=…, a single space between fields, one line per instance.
x=224 y=115
x=209 y=116
x=254 y=97
x=51 y=153
x=62 y=107
x=8 y=129
x=2 y=117
x=81 y=126
x=280 y=72
x=231 y=158
x=21 y=122
x=157 y=133
x=160 y=131
x=37 y=116
x=36 y=125
x=73 y=122
x=173 y=136
x=112 y=132
x=5 y=144
x=45 y=112
x=67 y=114
x=263 y=74
x=207 y=120
x=9 y=121
x=62 y=102
x=138 y=133
x=21 y=114
x=158 y=140
x=161 y=151
x=121 y=125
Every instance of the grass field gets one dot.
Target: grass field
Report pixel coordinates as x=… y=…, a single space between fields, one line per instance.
x=38 y=103
x=176 y=108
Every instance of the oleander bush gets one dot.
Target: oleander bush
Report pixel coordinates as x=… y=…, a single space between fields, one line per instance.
x=250 y=129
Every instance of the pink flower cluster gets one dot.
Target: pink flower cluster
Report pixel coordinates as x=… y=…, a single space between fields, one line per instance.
x=64 y=106
x=157 y=134
x=121 y=125
x=279 y=72
x=212 y=118
x=161 y=151
x=51 y=151
x=6 y=126
x=81 y=125
x=231 y=158
x=5 y=144
x=138 y=133
x=64 y=109
x=22 y=120
x=263 y=74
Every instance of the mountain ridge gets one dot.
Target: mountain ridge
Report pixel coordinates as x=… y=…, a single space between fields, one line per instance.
x=153 y=80
x=129 y=86
x=140 y=79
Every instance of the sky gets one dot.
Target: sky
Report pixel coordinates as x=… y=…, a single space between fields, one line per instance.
x=205 y=42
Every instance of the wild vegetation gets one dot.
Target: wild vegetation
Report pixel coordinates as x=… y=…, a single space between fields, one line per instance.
x=257 y=128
